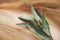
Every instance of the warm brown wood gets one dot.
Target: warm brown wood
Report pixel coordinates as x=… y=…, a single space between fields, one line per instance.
x=51 y=9
x=10 y=31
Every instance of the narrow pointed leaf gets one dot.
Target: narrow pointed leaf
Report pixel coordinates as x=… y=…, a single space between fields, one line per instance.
x=45 y=26
x=28 y=19
x=25 y=19
x=22 y=24
x=33 y=23
x=35 y=13
x=38 y=13
x=38 y=33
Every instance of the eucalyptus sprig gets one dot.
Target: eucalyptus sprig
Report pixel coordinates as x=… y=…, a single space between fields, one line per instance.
x=37 y=24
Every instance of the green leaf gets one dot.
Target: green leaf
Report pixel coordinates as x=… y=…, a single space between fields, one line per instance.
x=33 y=23
x=35 y=13
x=25 y=18
x=37 y=32
x=28 y=19
x=45 y=25
x=22 y=24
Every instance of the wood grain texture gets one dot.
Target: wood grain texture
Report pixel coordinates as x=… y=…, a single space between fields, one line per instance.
x=10 y=31
x=51 y=9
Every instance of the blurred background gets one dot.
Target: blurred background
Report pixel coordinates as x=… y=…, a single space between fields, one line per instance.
x=50 y=7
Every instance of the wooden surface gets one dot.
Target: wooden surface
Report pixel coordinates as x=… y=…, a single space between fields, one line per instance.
x=51 y=9
x=10 y=31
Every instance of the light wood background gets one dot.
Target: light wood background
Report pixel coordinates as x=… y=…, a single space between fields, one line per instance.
x=51 y=9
